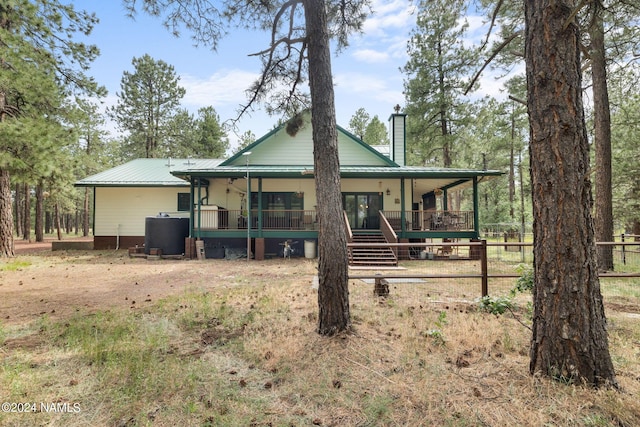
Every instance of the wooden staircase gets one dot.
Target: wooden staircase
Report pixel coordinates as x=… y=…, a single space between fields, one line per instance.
x=376 y=256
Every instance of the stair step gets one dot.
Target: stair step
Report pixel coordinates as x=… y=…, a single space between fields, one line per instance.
x=373 y=264
x=371 y=256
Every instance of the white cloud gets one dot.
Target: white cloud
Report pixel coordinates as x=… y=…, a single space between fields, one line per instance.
x=394 y=14
x=226 y=87
x=370 y=56
x=368 y=86
x=385 y=33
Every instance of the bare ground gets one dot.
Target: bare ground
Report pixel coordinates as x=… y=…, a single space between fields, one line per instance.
x=59 y=283
x=392 y=370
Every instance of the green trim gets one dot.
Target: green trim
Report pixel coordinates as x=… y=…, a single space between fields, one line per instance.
x=453 y=184
x=396 y=114
x=476 y=216
x=313 y=234
x=260 y=208
x=199 y=208
x=439 y=235
x=231 y=160
x=284 y=234
x=301 y=172
x=94 y=211
x=403 y=215
x=191 y=211
x=366 y=146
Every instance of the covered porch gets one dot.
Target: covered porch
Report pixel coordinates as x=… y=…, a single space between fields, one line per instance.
x=284 y=205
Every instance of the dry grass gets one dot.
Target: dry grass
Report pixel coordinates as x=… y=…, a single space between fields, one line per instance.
x=241 y=350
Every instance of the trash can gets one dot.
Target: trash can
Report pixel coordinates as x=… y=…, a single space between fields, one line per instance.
x=309 y=249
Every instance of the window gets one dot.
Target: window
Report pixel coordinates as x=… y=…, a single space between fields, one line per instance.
x=183 y=202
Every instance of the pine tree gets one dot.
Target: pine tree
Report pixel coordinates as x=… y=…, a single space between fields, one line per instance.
x=376 y=132
x=437 y=71
x=42 y=65
x=148 y=101
x=569 y=340
x=358 y=123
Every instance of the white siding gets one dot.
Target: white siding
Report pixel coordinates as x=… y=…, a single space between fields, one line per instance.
x=284 y=149
x=122 y=211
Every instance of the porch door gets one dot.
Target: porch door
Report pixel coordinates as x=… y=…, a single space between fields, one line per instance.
x=362 y=210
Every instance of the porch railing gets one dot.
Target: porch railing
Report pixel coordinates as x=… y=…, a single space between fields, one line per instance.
x=229 y=219
x=431 y=220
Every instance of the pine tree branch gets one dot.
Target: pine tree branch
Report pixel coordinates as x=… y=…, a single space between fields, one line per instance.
x=494 y=16
x=274 y=63
x=495 y=53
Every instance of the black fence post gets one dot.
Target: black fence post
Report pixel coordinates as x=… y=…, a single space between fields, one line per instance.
x=624 y=255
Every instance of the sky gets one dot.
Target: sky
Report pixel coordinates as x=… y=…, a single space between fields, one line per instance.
x=366 y=75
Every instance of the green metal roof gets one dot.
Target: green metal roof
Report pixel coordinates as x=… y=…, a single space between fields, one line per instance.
x=146 y=173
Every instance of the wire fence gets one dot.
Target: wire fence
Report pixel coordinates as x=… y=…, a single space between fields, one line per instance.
x=450 y=271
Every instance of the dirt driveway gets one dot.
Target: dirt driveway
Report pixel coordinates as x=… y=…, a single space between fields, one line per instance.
x=41 y=282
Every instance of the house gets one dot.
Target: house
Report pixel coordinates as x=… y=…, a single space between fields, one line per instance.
x=264 y=196
x=382 y=198
x=124 y=196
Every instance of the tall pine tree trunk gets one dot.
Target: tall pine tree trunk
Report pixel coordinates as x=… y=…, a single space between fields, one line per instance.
x=333 y=292
x=19 y=206
x=602 y=141
x=6 y=216
x=569 y=338
x=27 y=213
x=39 y=227
x=512 y=167
x=6 y=211
x=48 y=222
x=56 y=219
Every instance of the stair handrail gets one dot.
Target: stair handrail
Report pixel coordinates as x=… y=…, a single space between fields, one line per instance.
x=388 y=233
x=347 y=227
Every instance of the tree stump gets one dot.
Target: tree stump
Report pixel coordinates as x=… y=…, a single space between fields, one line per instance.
x=381 y=287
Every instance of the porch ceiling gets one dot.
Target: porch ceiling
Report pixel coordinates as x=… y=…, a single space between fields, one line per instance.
x=422 y=180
